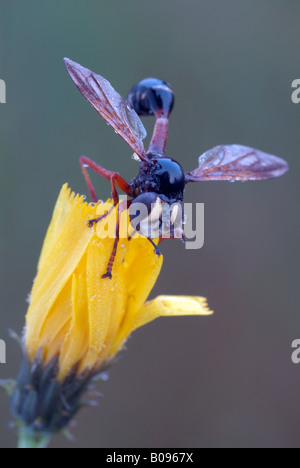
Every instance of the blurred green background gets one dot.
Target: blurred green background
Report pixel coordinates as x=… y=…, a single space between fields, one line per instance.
x=221 y=381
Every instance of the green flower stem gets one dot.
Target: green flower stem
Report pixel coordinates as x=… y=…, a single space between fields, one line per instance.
x=32 y=439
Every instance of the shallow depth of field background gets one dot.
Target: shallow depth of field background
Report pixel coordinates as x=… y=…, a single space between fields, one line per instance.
x=222 y=381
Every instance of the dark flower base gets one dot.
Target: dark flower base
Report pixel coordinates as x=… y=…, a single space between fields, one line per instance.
x=42 y=403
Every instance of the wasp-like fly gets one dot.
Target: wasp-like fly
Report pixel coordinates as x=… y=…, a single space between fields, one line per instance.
x=161 y=180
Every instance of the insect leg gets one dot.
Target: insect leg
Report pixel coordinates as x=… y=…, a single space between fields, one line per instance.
x=114 y=177
x=97 y=220
x=156 y=249
x=132 y=235
x=92 y=191
x=122 y=207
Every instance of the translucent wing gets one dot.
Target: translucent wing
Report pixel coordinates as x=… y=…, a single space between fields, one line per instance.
x=110 y=105
x=236 y=162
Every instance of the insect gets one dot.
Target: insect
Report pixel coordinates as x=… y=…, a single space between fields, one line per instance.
x=161 y=180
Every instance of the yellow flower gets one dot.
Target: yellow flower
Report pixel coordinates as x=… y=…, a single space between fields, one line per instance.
x=77 y=320
x=77 y=316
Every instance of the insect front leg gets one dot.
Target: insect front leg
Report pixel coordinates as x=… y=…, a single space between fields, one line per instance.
x=84 y=164
x=94 y=221
x=114 y=177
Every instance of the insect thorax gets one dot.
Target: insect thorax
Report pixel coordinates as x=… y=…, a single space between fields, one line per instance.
x=163 y=176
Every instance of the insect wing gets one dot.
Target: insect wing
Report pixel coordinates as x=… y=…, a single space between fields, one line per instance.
x=110 y=105
x=236 y=162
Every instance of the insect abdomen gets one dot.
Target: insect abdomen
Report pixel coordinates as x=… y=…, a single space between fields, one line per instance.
x=151 y=96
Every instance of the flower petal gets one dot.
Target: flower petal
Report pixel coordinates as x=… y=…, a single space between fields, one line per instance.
x=100 y=299
x=141 y=269
x=76 y=342
x=57 y=265
x=171 y=306
x=77 y=315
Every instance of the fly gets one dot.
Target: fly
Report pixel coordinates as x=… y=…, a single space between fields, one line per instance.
x=161 y=180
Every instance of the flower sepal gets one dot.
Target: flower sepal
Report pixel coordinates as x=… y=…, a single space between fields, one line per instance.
x=40 y=403
x=8 y=385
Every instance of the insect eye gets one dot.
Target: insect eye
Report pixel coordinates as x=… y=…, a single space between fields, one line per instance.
x=143 y=204
x=150 y=96
x=145 y=214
